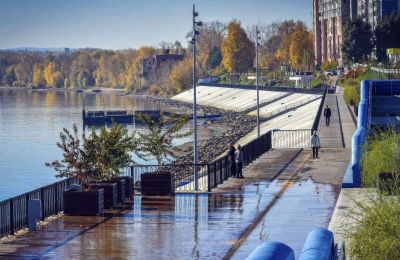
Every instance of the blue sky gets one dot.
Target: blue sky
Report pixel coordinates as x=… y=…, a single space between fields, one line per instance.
x=121 y=24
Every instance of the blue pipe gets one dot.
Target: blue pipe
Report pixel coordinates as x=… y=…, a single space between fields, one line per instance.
x=319 y=245
x=271 y=251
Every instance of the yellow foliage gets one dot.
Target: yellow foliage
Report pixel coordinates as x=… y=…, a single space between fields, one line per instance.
x=301 y=48
x=37 y=78
x=49 y=74
x=237 y=50
x=182 y=75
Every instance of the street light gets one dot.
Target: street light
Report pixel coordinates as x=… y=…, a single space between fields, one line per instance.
x=193 y=41
x=258 y=94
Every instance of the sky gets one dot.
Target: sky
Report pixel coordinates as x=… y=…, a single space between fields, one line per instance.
x=122 y=24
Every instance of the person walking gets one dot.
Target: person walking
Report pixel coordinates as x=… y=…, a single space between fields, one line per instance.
x=327 y=115
x=239 y=161
x=315 y=145
x=231 y=154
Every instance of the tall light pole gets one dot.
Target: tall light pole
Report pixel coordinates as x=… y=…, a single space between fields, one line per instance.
x=258 y=94
x=195 y=154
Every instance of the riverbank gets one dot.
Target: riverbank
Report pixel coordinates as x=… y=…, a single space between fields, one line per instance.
x=226 y=131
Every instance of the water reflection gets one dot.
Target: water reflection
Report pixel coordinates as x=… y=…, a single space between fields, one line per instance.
x=30 y=123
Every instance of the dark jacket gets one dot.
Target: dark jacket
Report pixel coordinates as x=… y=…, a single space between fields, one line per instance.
x=231 y=154
x=327 y=112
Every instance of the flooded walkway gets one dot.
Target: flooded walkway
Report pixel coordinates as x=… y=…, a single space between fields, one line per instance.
x=284 y=196
x=192 y=226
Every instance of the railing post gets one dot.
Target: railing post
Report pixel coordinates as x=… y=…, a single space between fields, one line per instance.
x=42 y=199
x=55 y=199
x=215 y=174
x=12 y=226
x=208 y=177
x=220 y=171
x=226 y=174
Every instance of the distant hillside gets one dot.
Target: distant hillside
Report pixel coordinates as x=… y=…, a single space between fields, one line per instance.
x=34 y=49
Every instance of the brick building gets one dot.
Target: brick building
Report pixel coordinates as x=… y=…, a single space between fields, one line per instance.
x=329 y=17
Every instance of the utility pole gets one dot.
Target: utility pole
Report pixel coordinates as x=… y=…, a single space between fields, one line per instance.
x=195 y=154
x=258 y=94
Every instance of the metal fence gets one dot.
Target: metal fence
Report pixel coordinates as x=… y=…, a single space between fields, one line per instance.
x=210 y=175
x=385 y=73
x=14 y=211
x=291 y=138
x=297 y=104
x=262 y=102
x=183 y=175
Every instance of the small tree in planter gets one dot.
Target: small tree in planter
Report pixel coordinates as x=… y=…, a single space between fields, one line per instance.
x=109 y=150
x=98 y=157
x=77 y=163
x=158 y=143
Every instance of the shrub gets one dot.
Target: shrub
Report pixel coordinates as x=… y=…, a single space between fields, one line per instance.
x=380 y=154
x=377 y=232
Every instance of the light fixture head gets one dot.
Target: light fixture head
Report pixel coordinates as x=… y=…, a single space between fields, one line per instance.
x=199 y=23
x=195 y=14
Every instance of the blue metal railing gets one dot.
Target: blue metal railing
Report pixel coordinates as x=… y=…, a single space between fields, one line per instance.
x=368 y=89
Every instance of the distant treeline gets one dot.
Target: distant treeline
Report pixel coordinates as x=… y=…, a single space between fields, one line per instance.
x=222 y=49
x=77 y=69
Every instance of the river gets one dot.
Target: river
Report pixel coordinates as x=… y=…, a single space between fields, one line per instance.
x=30 y=123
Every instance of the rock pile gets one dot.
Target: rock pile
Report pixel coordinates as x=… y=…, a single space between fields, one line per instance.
x=234 y=125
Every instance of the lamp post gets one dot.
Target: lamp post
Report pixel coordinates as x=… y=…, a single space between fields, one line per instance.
x=258 y=94
x=193 y=41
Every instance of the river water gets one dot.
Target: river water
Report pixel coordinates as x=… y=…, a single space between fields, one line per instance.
x=30 y=123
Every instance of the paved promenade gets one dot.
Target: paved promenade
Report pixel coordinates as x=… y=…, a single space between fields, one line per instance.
x=284 y=196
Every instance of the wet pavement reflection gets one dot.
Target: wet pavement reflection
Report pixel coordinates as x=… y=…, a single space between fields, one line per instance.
x=187 y=226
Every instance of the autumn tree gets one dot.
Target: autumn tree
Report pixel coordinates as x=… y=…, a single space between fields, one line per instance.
x=284 y=33
x=237 y=49
x=52 y=75
x=301 y=48
x=37 y=78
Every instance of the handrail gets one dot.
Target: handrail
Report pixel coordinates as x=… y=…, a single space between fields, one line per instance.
x=14 y=212
x=262 y=103
x=211 y=174
x=300 y=138
x=291 y=106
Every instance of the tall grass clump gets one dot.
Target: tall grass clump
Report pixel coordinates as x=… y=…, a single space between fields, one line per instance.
x=380 y=154
x=377 y=232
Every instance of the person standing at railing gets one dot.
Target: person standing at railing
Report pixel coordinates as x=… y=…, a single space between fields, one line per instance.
x=315 y=145
x=327 y=115
x=231 y=154
x=239 y=161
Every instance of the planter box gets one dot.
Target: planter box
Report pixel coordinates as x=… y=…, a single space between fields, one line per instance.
x=89 y=202
x=388 y=182
x=157 y=184
x=120 y=188
x=128 y=185
x=110 y=193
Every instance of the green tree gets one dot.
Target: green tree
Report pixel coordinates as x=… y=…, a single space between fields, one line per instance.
x=9 y=76
x=357 y=40
x=214 y=58
x=109 y=150
x=387 y=35
x=237 y=50
x=158 y=142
